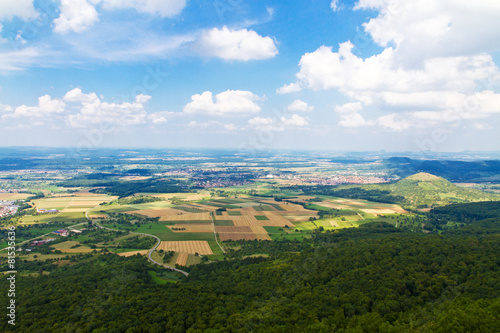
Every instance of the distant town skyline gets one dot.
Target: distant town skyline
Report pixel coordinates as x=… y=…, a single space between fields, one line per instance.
x=361 y=75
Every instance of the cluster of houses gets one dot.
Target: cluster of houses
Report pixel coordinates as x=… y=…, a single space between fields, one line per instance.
x=7 y=208
x=41 y=241
x=65 y=232
x=37 y=243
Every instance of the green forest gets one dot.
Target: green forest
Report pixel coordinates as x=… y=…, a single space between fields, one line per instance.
x=374 y=278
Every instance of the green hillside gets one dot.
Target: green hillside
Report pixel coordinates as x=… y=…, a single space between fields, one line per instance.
x=423 y=190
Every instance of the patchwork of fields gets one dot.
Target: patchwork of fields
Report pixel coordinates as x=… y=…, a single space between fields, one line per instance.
x=190 y=223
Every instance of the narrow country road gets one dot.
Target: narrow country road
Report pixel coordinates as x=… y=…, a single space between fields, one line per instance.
x=150 y=252
x=212 y=215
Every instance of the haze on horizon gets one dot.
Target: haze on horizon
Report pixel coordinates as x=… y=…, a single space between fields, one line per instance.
x=339 y=75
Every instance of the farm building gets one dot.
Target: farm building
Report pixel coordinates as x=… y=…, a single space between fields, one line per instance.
x=61 y=232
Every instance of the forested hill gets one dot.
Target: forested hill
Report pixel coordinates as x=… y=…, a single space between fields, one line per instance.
x=421 y=190
x=374 y=278
x=426 y=190
x=455 y=171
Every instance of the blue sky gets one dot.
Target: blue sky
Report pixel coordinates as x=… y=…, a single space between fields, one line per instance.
x=338 y=75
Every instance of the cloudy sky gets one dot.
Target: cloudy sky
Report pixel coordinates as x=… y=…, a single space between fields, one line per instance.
x=398 y=75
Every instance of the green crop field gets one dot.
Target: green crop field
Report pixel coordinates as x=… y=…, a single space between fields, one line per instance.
x=261 y=218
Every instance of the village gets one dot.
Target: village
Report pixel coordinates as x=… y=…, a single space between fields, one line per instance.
x=8 y=208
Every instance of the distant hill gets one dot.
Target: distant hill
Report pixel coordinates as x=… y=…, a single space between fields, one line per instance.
x=455 y=171
x=423 y=190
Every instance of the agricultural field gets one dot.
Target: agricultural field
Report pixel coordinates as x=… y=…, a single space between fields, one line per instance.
x=14 y=196
x=192 y=247
x=72 y=247
x=187 y=223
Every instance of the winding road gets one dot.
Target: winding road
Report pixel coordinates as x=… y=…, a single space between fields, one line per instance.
x=150 y=252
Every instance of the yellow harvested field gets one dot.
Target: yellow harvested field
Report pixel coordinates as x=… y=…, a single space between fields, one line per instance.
x=81 y=249
x=65 y=245
x=292 y=207
x=87 y=203
x=182 y=196
x=382 y=211
x=187 y=217
x=14 y=196
x=298 y=218
x=74 y=210
x=192 y=247
x=244 y=220
x=233 y=229
x=247 y=218
x=332 y=205
x=260 y=232
x=157 y=212
x=249 y=210
x=182 y=259
x=276 y=220
x=133 y=253
x=192 y=227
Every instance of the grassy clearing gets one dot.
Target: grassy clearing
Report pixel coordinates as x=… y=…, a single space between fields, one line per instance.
x=164 y=277
x=193 y=260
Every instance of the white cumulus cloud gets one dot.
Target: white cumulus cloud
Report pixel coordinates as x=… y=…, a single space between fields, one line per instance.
x=91 y=111
x=243 y=45
x=46 y=106
x=278 y=124
x=289 y=88
x=163 y=8
x=422 y=29
x=227 y=103
x=389 y=121
x=76 y=16
x=23 y=9
x=299 y=106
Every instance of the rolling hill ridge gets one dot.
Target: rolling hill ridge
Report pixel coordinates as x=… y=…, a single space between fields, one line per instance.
x=423 y=190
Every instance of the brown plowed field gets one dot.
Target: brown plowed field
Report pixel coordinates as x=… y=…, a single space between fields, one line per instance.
x=192 y=247
x=225 y=236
